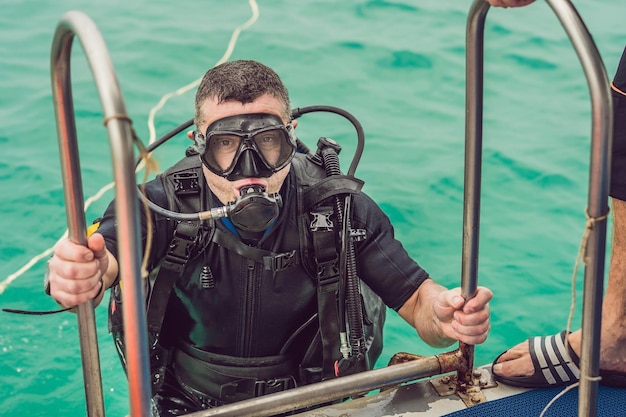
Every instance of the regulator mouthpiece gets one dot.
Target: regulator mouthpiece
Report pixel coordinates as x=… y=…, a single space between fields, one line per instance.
x=255 y=210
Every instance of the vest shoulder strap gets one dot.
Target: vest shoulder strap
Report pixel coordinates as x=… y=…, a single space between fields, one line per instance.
x=318 y=243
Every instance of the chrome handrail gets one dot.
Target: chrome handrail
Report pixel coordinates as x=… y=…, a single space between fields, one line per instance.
x=118 y=124
x=597 y=208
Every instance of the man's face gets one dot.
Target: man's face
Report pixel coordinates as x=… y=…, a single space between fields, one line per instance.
x=225 y=190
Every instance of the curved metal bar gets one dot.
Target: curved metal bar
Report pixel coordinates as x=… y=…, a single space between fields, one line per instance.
x=597 y=205
x=473 y=152
x=78 y=24
x=334 y=389
x=473 y=144
x=602 y=129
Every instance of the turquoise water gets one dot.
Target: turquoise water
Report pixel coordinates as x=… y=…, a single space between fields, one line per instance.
x=397 y=66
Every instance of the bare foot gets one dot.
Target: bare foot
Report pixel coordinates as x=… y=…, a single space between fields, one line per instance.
x=516 y=361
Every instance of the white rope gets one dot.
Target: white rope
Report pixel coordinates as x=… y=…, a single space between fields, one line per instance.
x=581 y=256
x=224 y=58
x=556 y=397
x=229 y=50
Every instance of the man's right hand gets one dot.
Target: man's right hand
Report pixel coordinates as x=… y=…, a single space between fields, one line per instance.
x=76 y=273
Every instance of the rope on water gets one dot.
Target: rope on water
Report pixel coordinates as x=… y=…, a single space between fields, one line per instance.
x=227 y=54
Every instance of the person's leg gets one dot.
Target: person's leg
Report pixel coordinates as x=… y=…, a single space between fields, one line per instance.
x=613 y=330
x=517 y=361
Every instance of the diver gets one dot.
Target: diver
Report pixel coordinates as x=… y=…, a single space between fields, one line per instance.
x=251 y=301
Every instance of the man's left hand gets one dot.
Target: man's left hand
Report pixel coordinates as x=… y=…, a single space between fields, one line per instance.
x=465 y=321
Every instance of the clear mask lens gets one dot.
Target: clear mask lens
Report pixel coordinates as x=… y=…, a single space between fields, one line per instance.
x=270 y=145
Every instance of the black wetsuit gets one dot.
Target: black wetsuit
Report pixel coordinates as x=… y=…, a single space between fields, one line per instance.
x=248 y=312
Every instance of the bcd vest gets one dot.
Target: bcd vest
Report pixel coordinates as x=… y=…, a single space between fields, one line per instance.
x=318 y=252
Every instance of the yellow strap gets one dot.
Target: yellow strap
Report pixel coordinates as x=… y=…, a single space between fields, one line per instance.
x=91 y=229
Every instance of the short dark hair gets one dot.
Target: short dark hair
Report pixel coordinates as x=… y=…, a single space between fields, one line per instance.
x=243 y=81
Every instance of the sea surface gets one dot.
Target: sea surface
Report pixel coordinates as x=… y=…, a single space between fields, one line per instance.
x=398 y=66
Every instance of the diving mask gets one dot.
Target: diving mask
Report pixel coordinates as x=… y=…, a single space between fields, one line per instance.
x=248 y=146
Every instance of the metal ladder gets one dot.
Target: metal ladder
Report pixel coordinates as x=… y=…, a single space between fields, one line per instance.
x=461 y=360
x=597 y=205
x=118 y=125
